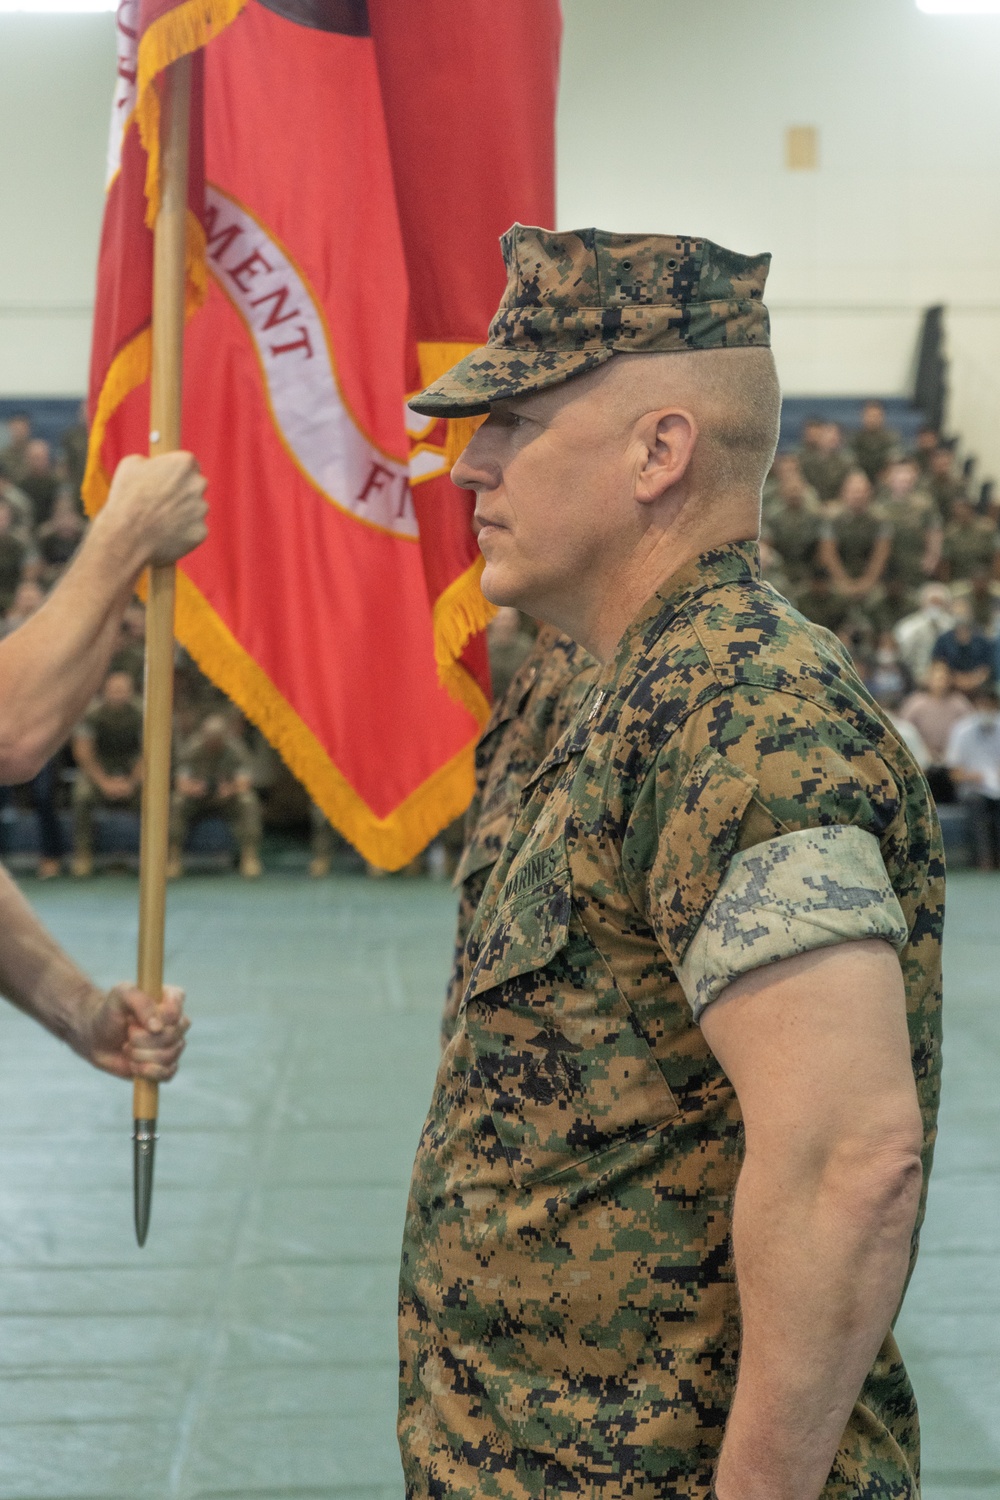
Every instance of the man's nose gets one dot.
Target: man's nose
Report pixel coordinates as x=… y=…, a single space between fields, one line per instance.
x=473 y=468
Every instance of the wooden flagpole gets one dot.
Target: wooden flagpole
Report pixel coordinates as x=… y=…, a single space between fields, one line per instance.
x=169 y=237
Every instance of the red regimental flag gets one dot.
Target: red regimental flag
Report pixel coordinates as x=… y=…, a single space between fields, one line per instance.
x=469 y=89
x=309 y=603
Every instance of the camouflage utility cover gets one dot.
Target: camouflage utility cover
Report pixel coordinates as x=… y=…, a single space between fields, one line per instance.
x=574 y=299
x=538 y=706
x=569 y=1321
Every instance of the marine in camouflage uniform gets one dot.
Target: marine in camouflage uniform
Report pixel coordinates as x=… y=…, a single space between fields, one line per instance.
x=538 y=706
x=728 y=797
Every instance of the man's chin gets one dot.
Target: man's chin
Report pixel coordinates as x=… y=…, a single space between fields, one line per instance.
x=498 y=587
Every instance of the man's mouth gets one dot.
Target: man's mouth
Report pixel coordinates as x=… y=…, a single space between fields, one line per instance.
x=485 y=522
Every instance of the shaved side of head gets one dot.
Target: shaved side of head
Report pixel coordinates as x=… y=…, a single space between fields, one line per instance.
x=734 y=396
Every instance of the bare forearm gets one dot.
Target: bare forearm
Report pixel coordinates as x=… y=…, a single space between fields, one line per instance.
x=820 y=1272
x=36 y=974
x=51 y=667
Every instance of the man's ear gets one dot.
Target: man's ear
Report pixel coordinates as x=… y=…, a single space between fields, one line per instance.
x=668 y=438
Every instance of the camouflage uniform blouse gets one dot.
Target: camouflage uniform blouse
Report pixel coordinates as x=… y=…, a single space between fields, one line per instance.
x=569 y=1316
x=538 y=706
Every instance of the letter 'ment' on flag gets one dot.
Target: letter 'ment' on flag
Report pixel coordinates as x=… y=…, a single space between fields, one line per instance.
x=351 y=169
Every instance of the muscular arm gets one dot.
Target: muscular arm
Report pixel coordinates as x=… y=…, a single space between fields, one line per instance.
x=51 y=667
x=816 y=1047
x=123 y=1032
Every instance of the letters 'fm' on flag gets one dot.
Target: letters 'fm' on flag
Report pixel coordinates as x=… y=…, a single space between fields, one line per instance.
x=349 y=177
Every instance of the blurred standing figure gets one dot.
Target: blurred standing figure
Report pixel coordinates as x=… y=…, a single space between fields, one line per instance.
x=108 y=750
x=974 y=762
x=213 y=781
x=874 y=443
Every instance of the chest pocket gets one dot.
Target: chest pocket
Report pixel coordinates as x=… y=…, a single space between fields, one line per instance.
x=566 y=1071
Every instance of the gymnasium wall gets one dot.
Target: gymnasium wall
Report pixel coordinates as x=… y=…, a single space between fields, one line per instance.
x=56 y=77
x=672 y=117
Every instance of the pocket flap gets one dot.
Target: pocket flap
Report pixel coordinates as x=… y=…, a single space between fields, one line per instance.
x=531 y=923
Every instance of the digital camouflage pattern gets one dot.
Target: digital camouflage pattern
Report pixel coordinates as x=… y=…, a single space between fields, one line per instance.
x=540 y=703
x=792 y=894
x=577 y=297
x=569 y=1320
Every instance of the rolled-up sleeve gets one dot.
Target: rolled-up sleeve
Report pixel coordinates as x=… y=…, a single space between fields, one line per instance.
x=792 y=894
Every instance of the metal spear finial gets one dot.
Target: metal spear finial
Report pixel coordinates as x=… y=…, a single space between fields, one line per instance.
x=143 y=1155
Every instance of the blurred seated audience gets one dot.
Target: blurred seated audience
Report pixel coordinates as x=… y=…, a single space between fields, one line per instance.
x=59 y=537
x=918 y=633
x=916 y=524
x=971 y=542
x=107 y=747
x=39 y=480
x=856 y=540
x=874 y=444
x=22 y=515
x=911 y=737
x=13 y=453
x=13 y=555
x=934 y=711
x=982 y=597
x=966 y=650
x=73 y=444
x=28 y=596
x=942 y=481
x=927 y=440
x=130 y=653
x=793 y=524
x=820 y=602
x=510 y=638
x=973 y=758
x=824 y=460
x=786 y=485
x=213 y=780
x=887 y=677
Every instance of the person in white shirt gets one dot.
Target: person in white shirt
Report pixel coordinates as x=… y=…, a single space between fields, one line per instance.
x=973 y=759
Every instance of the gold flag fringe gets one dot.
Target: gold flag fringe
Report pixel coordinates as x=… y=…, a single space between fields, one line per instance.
x=390 y=843
x=181 y=30
x=462 y=610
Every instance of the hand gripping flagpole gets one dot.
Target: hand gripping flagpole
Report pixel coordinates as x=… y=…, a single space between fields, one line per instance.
x=165 y=435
